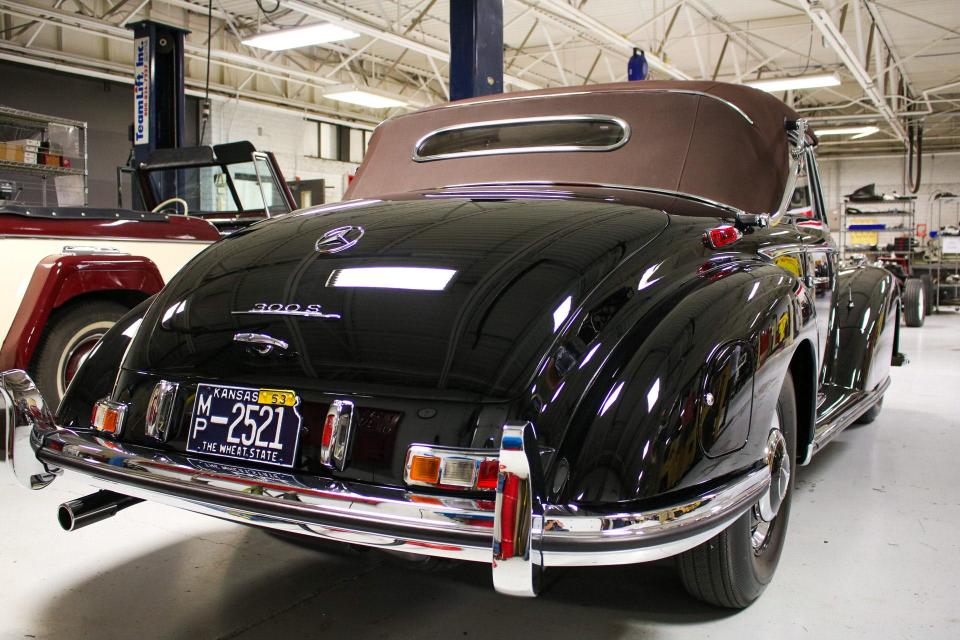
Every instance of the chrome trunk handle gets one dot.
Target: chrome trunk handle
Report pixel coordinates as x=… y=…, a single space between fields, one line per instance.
x=261 y=342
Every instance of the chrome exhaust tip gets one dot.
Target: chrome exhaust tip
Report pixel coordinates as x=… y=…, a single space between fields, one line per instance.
x=91 y=509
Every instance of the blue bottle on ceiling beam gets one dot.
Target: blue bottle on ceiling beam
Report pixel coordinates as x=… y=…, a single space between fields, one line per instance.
x=637 y=68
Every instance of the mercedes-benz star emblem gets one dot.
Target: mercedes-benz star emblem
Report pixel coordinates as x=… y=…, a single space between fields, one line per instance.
x=339 y=239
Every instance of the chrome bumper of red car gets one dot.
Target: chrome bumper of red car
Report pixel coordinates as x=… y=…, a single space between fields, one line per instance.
x=517 y=533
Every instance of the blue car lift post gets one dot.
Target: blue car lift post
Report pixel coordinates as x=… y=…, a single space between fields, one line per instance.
x=158 y=94
x=476 y=48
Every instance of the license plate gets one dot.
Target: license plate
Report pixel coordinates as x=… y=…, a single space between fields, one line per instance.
x=242 y=423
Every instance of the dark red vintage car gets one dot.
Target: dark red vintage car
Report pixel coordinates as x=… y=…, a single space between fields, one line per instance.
x=69 y=273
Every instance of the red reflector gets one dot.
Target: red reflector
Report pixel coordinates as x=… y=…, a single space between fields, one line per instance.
x=508 y=515
x=327 y=430
x=487 y=478
x=722 y=236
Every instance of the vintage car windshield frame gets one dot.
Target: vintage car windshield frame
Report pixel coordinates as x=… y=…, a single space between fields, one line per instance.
x=256 y=160
x=624 y=127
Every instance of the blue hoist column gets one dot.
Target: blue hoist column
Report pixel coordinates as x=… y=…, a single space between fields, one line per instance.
x=476 y=48
x=158 y=94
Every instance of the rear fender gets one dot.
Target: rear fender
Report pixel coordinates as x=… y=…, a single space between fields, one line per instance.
x=863 y=328
x=57 y=280
x=644 y=425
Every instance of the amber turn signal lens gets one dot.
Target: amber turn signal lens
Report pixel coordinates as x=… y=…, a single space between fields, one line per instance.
x=425 y=469
x=110 y=420
x=108 y=416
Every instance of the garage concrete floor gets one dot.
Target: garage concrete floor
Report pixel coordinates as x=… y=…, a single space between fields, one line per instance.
x=872 y=552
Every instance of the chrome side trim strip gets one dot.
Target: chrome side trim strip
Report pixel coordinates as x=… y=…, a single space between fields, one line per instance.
x=620 y=122
x=570 y=539
x=832 y=429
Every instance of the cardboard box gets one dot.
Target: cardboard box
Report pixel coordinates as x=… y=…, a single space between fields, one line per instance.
x=50 y=159
x=27 y=157
x=8 y=152
x=27 y=143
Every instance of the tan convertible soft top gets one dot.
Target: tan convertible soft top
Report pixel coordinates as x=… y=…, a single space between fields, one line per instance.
x=722 y=142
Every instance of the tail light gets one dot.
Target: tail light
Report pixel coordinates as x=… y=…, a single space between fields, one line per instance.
x=449 y=468
x=721 y=236
x=108 y=416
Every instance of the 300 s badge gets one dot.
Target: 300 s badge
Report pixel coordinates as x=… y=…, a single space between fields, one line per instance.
x=293 y=309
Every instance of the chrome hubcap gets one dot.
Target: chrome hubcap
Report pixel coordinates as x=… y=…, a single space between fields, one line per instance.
x=777 y=459
x=775 y=455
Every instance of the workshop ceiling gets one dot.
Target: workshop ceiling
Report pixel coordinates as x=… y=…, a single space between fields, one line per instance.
x=898 y=60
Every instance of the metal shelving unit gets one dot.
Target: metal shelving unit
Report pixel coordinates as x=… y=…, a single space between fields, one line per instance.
x=60 y=142
x=944 y=273
x=902 y=213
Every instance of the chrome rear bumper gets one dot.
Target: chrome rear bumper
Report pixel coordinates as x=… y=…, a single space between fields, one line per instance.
x=518 y=534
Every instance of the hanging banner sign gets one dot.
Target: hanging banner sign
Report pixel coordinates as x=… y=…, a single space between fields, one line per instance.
x=141 y=91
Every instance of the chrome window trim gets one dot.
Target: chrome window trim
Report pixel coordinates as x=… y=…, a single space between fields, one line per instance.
x=701 y=94
x=620 y=122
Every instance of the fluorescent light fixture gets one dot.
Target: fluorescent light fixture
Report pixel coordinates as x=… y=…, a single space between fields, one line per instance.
x=856 y=132
x=364 y=97
x=300 y=37
x=800 y=82
x=417 y=278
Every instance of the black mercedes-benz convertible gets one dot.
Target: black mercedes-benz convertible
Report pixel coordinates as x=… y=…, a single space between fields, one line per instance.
x=578 y=326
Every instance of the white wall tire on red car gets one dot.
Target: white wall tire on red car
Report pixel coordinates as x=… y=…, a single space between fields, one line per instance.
x=69 y=336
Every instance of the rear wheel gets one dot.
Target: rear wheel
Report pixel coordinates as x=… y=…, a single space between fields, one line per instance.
x=914 y=302
x=69 y=337
x=732 y=569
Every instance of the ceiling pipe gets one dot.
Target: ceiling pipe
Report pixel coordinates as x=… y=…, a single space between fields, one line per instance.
x=831 y=33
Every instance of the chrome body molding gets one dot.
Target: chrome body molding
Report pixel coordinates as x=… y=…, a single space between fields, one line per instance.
x=832 y=428
x=660 y=192
x=536 y=534
x=620 y=122
x=88 y=250
x=103 y=239
x=22 y=407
